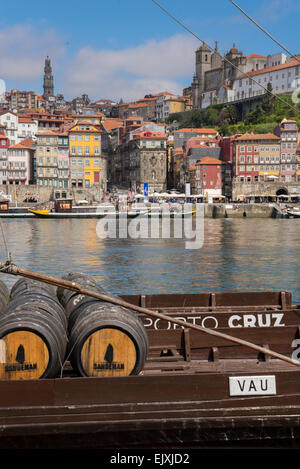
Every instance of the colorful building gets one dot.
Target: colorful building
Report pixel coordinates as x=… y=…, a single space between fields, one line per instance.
x=87 y=163
x=256 y=157
x=4 y=145
x=47 y=158
x=20 y=160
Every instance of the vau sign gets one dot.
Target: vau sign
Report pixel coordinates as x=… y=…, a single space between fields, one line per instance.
x=252 y=385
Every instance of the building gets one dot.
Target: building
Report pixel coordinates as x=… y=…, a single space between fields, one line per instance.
x=63 y=170
x=212 y=179
x=23 y=100
x=48 y=79
x=235 y=77
x=10 y=121
x=287 y=131
x=162 y=105
x=256 y=158
x=27 y=128
x=284 y=78
x=173 y=105
x=181 y=136
x=88 y=166
x=47 y=158
x=141 y=160
x=4 y=145
x=20 y=163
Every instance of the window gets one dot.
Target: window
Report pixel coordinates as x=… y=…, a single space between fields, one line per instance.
x=87 y=162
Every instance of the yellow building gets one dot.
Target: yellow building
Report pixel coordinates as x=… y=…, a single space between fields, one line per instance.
x=95 y=119
x=175 y=105
x=87 y=164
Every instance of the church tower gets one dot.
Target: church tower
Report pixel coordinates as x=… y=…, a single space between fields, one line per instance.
x=203 y=64
x=48 y=79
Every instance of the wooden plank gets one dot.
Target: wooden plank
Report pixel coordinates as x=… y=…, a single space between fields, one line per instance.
x=234 y=319
x=225 y=299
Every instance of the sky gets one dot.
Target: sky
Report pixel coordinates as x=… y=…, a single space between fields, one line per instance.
x=125 y=49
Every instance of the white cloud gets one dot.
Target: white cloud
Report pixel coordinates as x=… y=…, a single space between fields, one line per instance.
x=23 y=50
x=133 y=72
x=129 y=73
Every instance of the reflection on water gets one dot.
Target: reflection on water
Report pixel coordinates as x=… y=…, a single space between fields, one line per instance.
x=237 y=255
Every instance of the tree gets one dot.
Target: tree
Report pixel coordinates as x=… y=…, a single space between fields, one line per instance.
x=268 y=101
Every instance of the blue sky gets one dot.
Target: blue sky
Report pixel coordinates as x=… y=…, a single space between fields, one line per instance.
x=125 y=49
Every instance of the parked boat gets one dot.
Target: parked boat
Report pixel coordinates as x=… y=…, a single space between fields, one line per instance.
x=63 y=208
x=16 y=212
x=293 y=213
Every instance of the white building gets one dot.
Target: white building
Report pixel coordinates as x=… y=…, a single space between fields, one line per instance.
x=20 y=163
x=162 y=105
x=284 y=78
x=10 y=120
x=27 y=128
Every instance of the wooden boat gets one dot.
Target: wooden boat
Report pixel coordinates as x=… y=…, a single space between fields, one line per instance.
x=7 y=212
x=63 y=208
x=199 y=387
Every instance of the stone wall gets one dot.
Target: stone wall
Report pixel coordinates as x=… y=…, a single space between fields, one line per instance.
x=240 y=211
x=19 y=193
x=247 y=189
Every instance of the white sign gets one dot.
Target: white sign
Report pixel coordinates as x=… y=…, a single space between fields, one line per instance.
x=252 y=385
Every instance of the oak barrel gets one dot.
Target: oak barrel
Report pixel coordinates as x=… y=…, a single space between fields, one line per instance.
x=33 y=333
x=24 y=285
x=32 y=345
x=86 y=281
x=107 y=340
x=4 y=296
x=38 y=301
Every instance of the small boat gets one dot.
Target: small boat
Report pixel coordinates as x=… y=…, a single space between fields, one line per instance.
x=293 y=213
x=16 y=212
x=63 y=209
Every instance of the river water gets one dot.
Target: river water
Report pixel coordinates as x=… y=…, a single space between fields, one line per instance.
x=237 y=255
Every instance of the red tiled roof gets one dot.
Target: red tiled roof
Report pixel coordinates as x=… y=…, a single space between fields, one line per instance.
x=199 y=131
x=27 y=143
x=111 y=124
x=268 y=136
x=255 y=56
x=209 y=160
x=290 y=63
x=27 y=120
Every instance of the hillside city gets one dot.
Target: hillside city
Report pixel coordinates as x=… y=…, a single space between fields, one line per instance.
x=96 y=147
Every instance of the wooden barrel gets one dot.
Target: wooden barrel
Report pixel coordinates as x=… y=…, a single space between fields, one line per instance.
x=64 y=295
x=29 y=301
x=24 y=285
x=32 y=345
x=4 y=296
x=107 y=340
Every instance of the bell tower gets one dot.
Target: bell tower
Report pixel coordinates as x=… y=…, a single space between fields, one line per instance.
x=203 y=64
x=48 y=79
